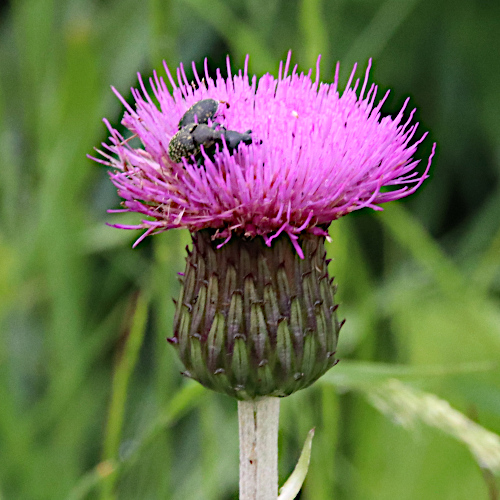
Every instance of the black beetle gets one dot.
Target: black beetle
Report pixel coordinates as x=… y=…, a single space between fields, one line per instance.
x=187 y=141
x=200 y=112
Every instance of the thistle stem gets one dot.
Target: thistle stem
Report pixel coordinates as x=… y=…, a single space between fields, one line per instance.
x=258 y=428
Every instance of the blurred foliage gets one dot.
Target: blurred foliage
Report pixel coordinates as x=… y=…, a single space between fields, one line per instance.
x=91 y=401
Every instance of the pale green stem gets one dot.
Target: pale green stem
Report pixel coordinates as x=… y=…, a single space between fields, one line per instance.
x=258 y=424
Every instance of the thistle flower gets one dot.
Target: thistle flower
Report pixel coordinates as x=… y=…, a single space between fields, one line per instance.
x=256 y=314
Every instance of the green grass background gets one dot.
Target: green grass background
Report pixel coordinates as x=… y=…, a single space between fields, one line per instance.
x=91 y=401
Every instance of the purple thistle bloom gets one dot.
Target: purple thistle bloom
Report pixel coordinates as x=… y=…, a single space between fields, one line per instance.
x=315 y=155
x=277 y=158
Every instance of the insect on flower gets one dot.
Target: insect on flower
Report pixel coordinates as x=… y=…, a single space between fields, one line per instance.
x=315 y=153
x=195 y=132
x=200 y=112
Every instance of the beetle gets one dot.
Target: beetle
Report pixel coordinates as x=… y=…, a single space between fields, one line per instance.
x=200 y=112
x=188 y=140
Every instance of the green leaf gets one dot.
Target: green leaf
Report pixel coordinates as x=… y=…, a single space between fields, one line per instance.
x=361 y=374
x=293 y=484
x=121 y=379
x=408 y=406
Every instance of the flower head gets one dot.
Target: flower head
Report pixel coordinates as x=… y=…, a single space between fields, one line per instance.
x=314 y=155
x=257 y=169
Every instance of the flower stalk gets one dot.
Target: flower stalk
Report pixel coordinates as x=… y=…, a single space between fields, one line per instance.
x=257 y=169
x=258 y=429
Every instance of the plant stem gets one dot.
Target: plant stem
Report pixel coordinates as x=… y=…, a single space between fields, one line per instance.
x=258 y=424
